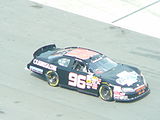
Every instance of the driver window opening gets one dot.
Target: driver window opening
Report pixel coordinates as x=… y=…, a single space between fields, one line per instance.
x=79 y=66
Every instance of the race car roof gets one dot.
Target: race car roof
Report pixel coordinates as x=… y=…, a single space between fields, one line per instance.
x=82 y=53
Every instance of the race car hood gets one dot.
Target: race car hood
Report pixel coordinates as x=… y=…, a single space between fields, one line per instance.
x=123 y=75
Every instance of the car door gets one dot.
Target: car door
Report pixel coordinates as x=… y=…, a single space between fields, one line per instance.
x=77 y=75
x=82 y=79
x=70 y=74
x=74 y=74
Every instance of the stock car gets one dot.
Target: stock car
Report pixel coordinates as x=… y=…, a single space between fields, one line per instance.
x=90 y=72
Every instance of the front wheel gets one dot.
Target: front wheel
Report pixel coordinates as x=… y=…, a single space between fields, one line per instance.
x=106 y=93
x=52 y=78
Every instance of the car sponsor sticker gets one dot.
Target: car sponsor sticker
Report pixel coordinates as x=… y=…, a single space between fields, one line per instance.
x=118 y=94
x=35 y=69
x=44 y=64
x=140 y=89
x=127 y=78
x=92 y=82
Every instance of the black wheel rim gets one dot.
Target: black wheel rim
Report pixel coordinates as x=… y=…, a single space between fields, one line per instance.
x=105 y=92
x=53 y=79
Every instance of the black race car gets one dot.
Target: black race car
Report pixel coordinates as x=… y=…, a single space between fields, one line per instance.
x=90 y=72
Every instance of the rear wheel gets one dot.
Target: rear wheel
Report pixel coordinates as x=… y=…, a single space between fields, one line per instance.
x=106 y=93
x=52 y=78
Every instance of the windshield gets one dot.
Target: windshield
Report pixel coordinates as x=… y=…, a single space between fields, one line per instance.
x=102 y=65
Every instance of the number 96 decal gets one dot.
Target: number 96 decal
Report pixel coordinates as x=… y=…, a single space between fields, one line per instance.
x=81 y=81
x=77 y=80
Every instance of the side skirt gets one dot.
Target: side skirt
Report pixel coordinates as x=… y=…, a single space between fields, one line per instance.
x=81 y=91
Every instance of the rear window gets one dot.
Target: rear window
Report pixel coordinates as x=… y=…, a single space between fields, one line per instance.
x=64 y=62
x=45 y=54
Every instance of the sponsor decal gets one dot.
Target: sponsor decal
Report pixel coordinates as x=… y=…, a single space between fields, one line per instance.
x=35 y=69
x=44 y=64
x=92 y=82
x=118 y=94
x=140 y=89
x=127 y=78
x=141 y=92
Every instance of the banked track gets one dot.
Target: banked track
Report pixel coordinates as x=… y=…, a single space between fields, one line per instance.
x=25 y=26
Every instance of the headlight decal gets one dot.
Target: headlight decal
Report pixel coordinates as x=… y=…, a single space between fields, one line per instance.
x=128 y=90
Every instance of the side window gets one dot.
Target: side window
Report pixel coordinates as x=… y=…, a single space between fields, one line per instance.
x=79 y=66
x=64 y=62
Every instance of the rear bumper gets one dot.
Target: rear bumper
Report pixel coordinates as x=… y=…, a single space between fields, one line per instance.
x=26 y=68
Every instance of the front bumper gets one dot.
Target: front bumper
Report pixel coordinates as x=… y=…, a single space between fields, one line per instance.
x=134 y=97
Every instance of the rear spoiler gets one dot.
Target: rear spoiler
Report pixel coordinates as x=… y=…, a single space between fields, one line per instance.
x=44 y=49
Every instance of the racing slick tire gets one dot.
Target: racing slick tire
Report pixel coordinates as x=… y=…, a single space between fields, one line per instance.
x=106 y=93
x=52 y=78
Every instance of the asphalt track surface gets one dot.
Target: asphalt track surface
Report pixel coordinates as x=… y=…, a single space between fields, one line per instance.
x=25 y=26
